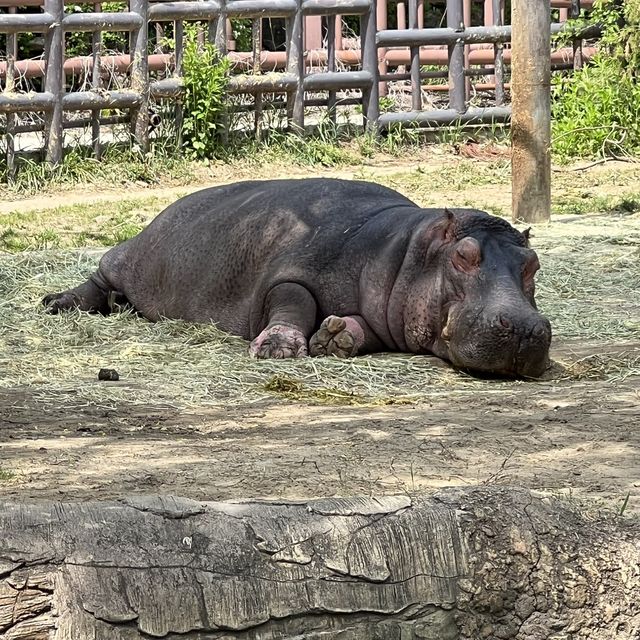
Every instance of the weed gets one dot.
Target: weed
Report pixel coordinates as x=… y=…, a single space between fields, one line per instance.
x=120 y=165
x=585 y=203
x=596 y=111
x=205 y=77
x=6 y=475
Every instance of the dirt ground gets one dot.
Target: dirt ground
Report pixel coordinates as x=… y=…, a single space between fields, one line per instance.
x=574 y=439
x=576 y=436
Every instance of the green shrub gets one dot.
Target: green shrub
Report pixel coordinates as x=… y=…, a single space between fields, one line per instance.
x=596 y=111
x=205 y=78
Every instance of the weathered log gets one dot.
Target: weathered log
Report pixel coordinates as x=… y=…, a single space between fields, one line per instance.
x=462 y=564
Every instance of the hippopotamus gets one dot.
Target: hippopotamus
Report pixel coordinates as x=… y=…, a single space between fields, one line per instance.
x=332 y=267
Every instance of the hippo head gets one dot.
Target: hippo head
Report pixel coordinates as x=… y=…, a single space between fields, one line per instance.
x=482 y=314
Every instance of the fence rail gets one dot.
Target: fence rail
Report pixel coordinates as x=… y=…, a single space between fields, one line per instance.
x=464 y=50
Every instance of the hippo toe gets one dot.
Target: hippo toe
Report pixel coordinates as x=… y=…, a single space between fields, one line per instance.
x=279 y=341
x=334 y=338
x=57 y=302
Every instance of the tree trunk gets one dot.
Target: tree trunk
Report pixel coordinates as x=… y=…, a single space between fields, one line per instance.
x=462 y=564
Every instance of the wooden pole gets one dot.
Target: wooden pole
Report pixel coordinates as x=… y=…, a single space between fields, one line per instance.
x=531 y=104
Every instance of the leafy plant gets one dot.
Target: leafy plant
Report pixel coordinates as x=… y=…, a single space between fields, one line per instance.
x=242 y=34
x=596 y=111
x=205 y=82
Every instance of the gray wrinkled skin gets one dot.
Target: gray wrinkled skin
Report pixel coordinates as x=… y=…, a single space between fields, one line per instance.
x=335 y=267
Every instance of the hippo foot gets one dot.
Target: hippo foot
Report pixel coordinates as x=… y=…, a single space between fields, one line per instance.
x=57 y=302
x=337 y=336
x=279 y=341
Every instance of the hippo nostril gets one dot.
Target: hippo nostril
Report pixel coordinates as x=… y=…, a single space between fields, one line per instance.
x=505 y=322
x=540 y=330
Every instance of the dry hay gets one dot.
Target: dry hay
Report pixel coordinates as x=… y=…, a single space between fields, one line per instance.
x=589 y=288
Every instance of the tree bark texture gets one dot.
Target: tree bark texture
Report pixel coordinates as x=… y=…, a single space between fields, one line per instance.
x=459 y=565
x=531 y=110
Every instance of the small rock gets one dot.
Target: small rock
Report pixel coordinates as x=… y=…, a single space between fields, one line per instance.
x=108 y=374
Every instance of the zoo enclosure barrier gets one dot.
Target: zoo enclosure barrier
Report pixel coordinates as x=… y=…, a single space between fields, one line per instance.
x=459 y=46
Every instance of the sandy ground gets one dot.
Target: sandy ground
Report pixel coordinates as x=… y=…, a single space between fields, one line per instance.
x=577 y=438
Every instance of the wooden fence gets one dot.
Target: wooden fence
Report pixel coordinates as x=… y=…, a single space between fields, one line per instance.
x=379 y=58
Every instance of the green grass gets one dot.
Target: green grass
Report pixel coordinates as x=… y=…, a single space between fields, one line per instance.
x=119 y=166
x=586 y=203
x=6 y=475
x=99 y=224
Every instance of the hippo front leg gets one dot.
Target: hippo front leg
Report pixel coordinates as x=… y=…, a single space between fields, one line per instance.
x=290 y=311
x=344 y=337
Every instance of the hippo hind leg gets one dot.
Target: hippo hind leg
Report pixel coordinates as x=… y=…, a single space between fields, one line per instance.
x=94 y=295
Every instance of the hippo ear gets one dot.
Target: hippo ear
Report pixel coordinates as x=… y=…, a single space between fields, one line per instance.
x=527 y=234
x=449 y=225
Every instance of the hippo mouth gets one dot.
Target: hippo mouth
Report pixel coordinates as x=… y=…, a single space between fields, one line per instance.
x=501 y=347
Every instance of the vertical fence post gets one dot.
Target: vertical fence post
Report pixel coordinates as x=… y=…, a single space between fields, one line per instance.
x=222 y=32
x=178 y=39
x=531 y=103
x=574 y=13
x=220 y=37
x=455 y=20
x=382 y=22
x=96 y=50
x=256 y=45
x=467 y=20
x=54 y=81
x=370 y=95
x=12 y=49
x=295 y=65
x=416 y=82
x=140 y=74
x=498 y=54
x=331 y=63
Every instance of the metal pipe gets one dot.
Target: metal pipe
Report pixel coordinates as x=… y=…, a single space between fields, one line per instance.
x=416 y=90
x=381 y=25
x=340 y=80
x=221 y=29
x=178 y=31
x=446 y=117
x=442 y=36
x=28 y=102
x=457 y=93
x=450 y=36
x=258 y=8
x=296 y=66
x=169 y=11
x=369 y=52
x=335 y=7
x=140 y=75
x=466 y=11
x=86 y=100
x=498 y=53
x=401 y=15
x=97 y=21
x=26 y=23
x=273 y=60
x=574 y=13
x=12 y=52
x=331 y=63
x=256 y=46
x=96 y=50
x=54 y=82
